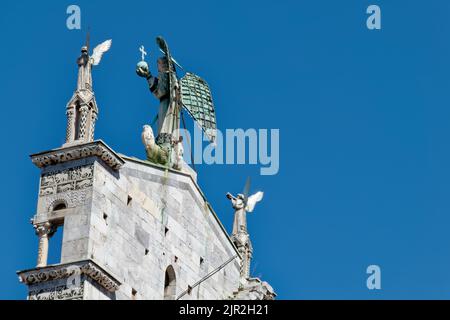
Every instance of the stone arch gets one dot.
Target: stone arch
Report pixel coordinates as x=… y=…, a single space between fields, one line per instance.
x=58 y=204
x=170 y=284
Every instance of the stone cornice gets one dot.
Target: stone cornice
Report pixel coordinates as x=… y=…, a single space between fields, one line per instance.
x=78 y=151
x=63 y=271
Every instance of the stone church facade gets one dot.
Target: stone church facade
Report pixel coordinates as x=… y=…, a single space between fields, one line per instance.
x=131 y=229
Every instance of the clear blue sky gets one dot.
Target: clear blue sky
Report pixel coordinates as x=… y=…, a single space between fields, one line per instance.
x=364 y=119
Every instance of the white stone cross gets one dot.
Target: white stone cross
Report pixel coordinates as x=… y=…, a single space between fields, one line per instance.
x=143 y=53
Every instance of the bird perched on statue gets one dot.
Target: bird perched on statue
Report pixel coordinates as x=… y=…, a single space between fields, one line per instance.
x=154 y=152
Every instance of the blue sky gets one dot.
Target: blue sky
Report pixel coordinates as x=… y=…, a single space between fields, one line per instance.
x=364 y=123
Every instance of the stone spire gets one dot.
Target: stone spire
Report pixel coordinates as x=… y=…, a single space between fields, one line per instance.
x=250 y=288
x=82 y=108
x=240 y=236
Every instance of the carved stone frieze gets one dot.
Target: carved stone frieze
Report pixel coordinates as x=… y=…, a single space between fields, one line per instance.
x=66 y=180
x=61 y=292
x=96 y=148
x=63 y=271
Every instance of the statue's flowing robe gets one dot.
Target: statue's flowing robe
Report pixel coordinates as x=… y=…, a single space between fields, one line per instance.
x=160 y=88
x=239 y=223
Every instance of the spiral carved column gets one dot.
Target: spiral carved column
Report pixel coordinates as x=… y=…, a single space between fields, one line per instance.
x=91 y=131
x=83 y=122
x=70 y=130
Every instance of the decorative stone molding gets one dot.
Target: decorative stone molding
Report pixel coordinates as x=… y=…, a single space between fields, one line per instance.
x=79 y=151
x=255 y=289
x=62 y=292
x=66 y=180
x=67 y=186
x=72 y=199
x=63 y=271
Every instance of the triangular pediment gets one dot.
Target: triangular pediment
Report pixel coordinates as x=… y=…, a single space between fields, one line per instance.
x=83 y=97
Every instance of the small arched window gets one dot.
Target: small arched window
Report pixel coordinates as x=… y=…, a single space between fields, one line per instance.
x=59 y=206
x=170 y=284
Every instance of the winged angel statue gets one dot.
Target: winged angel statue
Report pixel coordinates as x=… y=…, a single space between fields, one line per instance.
x=190 y=93
x=242 y=204
x=85 y=62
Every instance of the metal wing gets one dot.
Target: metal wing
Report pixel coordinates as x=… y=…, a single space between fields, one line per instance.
x=197 y=100
x=99 y=51
x=162 y=44
x=252 y=200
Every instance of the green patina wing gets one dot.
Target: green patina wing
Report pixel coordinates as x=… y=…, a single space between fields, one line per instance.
x=197 y=100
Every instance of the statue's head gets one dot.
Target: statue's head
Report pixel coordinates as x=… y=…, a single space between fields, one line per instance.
x=239 y=203
x=83 y=59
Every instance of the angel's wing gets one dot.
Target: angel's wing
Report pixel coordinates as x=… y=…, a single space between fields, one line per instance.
x=99 y=51
x=252 y=200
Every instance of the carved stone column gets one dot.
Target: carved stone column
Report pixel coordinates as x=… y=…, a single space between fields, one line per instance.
x=246 y=253
x=93 y=119
x=44 y=231
x=83 y=122
x=70 y=130
x=244 y=246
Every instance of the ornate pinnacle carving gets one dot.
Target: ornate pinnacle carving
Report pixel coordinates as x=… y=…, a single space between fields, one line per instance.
x=82 y=108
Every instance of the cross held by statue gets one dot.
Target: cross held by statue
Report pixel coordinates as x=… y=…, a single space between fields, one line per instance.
x=143 y=53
